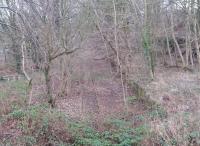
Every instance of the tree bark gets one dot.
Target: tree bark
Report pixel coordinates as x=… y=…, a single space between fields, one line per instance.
x=176 y=43
x=49 y=95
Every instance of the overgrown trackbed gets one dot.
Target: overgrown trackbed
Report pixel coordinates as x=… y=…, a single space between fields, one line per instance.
x=96 y=94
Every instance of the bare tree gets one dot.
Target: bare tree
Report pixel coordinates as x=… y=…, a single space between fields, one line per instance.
x=48 y=33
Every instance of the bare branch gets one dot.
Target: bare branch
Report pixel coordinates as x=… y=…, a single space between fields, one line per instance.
x=9 y=25
x=64 y=53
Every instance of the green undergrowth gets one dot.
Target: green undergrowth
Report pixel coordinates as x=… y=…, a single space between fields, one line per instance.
x=37 y=125
x=12 y=96
x=40 y=125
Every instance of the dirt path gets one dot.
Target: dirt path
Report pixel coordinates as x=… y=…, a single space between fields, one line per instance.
x=96 y=94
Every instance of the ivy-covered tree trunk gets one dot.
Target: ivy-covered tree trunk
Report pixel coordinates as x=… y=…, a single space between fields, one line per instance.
x=198 y=10
x=148 y=53
x=147 y=40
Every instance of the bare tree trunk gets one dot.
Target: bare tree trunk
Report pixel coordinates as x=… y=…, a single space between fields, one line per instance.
x=49 y=95
x=168 y=47
x=29 y=88
x=118 y=59
x=196 y=40
x=174 y=38
x=5 y=55
x=189 y=56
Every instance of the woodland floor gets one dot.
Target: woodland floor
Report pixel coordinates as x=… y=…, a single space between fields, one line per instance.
x=95 y=95
x=177 y=90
